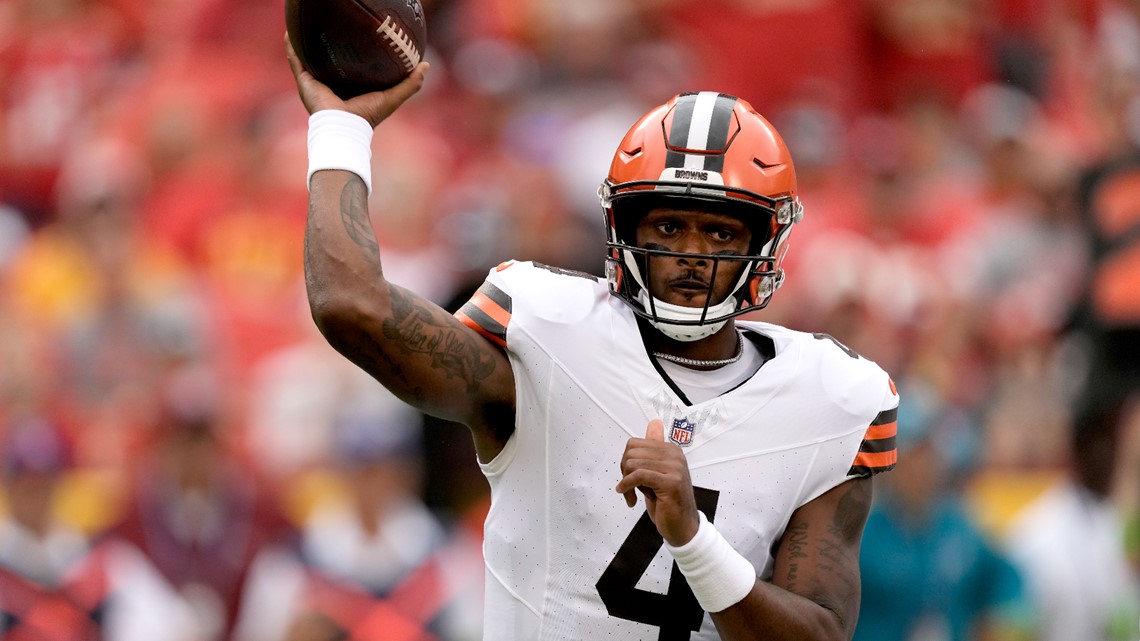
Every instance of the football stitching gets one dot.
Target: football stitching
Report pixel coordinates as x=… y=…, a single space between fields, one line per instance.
x=400 y=42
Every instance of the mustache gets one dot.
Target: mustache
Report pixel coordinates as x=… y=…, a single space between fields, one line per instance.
x=690 y=279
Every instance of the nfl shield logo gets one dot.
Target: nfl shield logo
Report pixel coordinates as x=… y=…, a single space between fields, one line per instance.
x=682 y=433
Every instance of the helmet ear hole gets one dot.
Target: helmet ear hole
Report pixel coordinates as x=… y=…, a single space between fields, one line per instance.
x=760 y=288
x=615 y=274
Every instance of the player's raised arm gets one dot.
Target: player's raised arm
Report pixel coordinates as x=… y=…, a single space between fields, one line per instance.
x=416 y=349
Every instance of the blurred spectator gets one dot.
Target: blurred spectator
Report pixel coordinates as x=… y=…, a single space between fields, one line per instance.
x=36 y=544
x=1126 y=486
x=1023 y=262
x=1070 y=542
x=826 y=51
x=373 y=560
x=1025 y=219
x=55 y=585
x=293 y=396
x=115 y=310
x=57 y=58
x=929 y=572
x=1077 y=541
x=937 y=48
x=1108 y=316
x=195 y=507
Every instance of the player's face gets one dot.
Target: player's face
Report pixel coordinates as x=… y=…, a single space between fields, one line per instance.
x=685 y=280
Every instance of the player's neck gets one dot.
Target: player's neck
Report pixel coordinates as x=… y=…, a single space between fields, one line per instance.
x=722 y=348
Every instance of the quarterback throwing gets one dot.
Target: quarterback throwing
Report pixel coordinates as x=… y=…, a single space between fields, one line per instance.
x=660 y=468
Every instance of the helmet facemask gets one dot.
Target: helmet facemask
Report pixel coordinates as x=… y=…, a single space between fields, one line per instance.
x=629 y=266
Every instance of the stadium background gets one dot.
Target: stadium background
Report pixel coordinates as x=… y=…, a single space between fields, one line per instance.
x=152 y=202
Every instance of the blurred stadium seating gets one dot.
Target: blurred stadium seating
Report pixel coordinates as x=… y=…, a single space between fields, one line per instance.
x=955 y=159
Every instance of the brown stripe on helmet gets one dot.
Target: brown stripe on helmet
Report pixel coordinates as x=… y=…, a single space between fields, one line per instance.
x=678 y=136
x=718 y=132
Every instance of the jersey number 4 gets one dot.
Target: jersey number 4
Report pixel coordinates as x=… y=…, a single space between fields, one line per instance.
x=676 y=612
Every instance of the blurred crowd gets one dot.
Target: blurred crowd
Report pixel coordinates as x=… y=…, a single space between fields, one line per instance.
x=184 y=458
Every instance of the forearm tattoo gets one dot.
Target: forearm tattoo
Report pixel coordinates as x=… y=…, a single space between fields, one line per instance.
x=836 y=562
x=851 y=513
x=796 y=540
x=414 y=329
x=354 y=216
x=836 y=580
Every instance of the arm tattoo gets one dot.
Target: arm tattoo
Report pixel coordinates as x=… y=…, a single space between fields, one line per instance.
x=837 y=563
x=837 y=557
x=354 y=215
x=851 y=513
x=413 y=330
x=797 y=539
x=833 y=581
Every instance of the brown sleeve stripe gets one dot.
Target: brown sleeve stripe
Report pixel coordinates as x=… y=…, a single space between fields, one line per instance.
x=466 y=320
x=488 y=312
x=489 y=307
x=877 y=452
x=886 y=416
x=497 y=296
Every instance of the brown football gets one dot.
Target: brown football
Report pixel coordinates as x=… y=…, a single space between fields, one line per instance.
x=357 y=46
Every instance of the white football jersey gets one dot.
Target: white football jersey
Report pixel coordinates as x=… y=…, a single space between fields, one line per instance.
x=566 y=559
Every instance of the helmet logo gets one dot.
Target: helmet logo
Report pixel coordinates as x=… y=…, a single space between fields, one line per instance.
x=682 y=174
x=689 y=174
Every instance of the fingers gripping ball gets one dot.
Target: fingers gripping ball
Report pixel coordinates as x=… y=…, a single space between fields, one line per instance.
x=357 y=46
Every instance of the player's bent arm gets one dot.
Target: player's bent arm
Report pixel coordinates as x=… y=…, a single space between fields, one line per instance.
x=421 y=353
x=814 y=594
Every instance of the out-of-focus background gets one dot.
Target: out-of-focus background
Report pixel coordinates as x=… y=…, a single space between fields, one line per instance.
x=183 y=457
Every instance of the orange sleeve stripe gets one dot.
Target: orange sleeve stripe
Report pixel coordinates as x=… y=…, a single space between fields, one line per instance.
x=466 y=320
x=886 y=430
x=491 y=308
x=877 y=459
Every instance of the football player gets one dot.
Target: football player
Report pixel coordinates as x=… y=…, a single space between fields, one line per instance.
x=752 y=446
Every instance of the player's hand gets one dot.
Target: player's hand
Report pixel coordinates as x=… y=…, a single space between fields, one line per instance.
x=660 y=471
x=373 y=107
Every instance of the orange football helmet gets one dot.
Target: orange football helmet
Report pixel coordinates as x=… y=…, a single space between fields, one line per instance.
x=712 y=151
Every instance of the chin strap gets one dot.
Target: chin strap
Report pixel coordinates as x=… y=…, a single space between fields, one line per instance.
x=666 y=312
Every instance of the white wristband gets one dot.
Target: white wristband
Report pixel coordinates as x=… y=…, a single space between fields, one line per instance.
x=718 y=575
x=340 y=140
